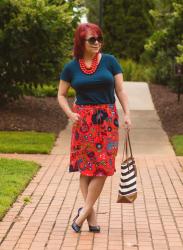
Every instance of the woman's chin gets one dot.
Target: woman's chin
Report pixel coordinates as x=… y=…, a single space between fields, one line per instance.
x=95 y=50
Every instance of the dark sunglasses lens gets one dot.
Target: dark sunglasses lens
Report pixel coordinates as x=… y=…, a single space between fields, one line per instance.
x=92 y=40
x=100 y=39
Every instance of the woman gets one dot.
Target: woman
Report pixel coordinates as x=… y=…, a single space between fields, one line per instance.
x=94 y=141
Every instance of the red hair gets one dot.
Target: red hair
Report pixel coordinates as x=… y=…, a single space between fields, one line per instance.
x=80 y=35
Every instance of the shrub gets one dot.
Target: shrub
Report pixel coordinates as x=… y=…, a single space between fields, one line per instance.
x=163 y=48
x=36 y=40
x=137 y=72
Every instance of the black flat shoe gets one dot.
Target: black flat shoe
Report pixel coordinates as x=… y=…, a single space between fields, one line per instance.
x=76 y=228
x=94 y=229
x=79 y=210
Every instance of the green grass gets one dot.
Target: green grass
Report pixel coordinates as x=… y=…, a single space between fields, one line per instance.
x=177 y=142
x=26 y=142
x=14 y=177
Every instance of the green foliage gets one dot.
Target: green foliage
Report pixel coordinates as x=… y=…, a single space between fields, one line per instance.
x=14 y=177
x=27 y=199
x=177 y=142
x=71 y=92
x=126 y=26
x=42 y=90
x=93 y=10
x=36 y=40
x=137 y=72
x=46 y=90
x=26 y=142
x=179 y=58
x=164 y=47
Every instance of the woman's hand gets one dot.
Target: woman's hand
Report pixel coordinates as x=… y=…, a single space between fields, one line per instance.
x=127 y=121
x=74 y=117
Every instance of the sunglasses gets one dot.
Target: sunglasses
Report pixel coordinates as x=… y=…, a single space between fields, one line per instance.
x=92 y=40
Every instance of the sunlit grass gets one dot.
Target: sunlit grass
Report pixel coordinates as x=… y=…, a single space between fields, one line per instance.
x=26 y=142
x=14 y=177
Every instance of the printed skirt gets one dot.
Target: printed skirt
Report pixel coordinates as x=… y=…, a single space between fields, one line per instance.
x=94 y=140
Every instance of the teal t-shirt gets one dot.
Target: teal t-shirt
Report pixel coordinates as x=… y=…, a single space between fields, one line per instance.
x=97 y=88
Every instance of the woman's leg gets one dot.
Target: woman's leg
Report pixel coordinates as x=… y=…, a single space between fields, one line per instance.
x=94 y=189
x=84 y=182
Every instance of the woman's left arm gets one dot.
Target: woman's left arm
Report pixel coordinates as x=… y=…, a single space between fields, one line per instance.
x=123 y=98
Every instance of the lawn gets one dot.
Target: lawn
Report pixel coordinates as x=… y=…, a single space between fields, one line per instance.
x=177 y=142
x=14 y=177
x=26 y=142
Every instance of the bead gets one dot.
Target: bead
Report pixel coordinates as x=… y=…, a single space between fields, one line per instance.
x=93 y=67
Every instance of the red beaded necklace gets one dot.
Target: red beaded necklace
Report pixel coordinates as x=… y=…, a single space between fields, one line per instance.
x=93 y=67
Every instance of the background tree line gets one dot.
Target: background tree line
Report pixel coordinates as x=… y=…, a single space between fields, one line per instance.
x=36 y=38
x=149 y=33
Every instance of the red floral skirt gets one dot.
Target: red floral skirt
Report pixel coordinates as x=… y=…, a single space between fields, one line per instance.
x=94 y=140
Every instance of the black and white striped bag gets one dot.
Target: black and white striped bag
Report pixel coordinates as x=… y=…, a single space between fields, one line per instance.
x=128 y=180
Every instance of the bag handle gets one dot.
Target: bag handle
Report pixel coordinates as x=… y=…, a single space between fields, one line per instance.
x=126 y=144
x=129 y=143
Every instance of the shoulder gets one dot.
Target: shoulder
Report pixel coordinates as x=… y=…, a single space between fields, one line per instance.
x=68 y=71
x=108 y=56
x=70 y=64
x=111 y=59
x=113 y=64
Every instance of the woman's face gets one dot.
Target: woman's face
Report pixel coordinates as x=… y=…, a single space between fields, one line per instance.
x=94 y=47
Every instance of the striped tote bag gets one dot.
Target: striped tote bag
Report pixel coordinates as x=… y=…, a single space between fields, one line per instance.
x=128 y=179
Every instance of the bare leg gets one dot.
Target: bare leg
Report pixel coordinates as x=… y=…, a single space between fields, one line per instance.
x=94 y=189
x=84 y=182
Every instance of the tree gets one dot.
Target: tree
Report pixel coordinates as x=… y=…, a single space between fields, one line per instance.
x=126 y=25
x=164 y=47
x=179 y=58
x=35 y=40
x=93 y=10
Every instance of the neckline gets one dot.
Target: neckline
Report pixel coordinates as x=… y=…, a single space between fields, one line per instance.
x=97 y=65
x=100 y=60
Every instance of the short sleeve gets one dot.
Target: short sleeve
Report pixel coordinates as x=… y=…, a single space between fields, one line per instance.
x=115 y=66
x=66 y=74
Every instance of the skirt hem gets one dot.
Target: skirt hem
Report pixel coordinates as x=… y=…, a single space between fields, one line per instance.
x=93 y=174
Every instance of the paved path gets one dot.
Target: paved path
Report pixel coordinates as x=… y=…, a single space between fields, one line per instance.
x=153 y=222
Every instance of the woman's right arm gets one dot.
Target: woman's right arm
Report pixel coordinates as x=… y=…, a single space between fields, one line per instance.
x=62 y=99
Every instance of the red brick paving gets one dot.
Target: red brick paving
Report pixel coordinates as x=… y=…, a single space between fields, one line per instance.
x=180 y=159
x=153 y=222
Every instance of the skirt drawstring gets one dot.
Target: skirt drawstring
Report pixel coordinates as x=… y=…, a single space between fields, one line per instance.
x=98 y=123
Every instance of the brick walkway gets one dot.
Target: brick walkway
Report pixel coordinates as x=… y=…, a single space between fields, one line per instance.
x=154 y=221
